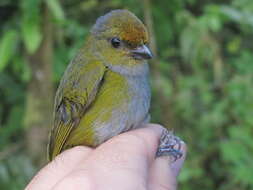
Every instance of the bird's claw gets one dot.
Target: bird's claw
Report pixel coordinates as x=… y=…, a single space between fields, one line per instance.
x=170 y=145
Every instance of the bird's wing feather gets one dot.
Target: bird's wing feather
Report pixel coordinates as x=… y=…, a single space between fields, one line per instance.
x=76 y=91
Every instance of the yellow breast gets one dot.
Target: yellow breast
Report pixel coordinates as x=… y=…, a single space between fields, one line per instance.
x=112 y=98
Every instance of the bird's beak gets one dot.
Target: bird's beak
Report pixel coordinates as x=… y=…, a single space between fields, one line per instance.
x=141 y=52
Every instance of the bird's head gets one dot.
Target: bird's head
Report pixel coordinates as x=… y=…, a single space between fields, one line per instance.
x=120 y=40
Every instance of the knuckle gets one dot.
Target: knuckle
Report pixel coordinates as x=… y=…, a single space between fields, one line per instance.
x=114 y=160
x=76 y=180
x=134 y=139
x=80 y=149
x=57 y=162
x=158 y=126
x=161 y=186
x=168 y=185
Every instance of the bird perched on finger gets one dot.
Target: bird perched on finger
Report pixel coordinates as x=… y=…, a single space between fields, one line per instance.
x=104 y=90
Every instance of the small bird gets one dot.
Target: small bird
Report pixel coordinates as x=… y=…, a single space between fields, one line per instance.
x=105 y=89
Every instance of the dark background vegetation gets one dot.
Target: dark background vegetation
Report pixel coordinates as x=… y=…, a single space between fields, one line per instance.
x=201 y=79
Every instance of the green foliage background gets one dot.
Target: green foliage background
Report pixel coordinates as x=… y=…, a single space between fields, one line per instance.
x=201 y=80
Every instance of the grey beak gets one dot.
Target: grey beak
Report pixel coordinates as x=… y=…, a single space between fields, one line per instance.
x=142 y=52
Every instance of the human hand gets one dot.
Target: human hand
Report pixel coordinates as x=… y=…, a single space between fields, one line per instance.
x=125 y=162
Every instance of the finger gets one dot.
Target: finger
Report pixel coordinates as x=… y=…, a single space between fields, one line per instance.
x=177 y=165
x=161 y=176
x=125 y=158
x=58 y=168
x=131 y=146
x=164 y=171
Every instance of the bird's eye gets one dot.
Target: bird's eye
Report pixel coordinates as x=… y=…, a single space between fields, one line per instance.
x=115 y=42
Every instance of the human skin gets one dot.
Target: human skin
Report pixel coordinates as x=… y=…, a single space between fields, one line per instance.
x=125 y=162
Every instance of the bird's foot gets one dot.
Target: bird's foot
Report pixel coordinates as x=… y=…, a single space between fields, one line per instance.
x=170 y=145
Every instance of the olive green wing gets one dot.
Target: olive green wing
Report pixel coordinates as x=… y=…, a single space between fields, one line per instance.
x=75 y=93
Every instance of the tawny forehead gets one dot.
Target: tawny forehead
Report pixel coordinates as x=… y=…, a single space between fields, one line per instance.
x=123 y=24
x=131 y=31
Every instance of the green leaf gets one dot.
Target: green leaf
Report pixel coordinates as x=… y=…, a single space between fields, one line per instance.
x=56 y=9
x=242 y=17
x=7 y=45
x=32 y=36
x=31 y=31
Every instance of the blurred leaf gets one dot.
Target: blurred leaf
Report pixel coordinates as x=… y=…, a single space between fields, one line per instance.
x=232 y=13
x=31 y=30
x=56 y=9
x=18 y=167
x=234 y=45
x=7 y=44
x=233 y=151
x=89 y=4
x=237 y=15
